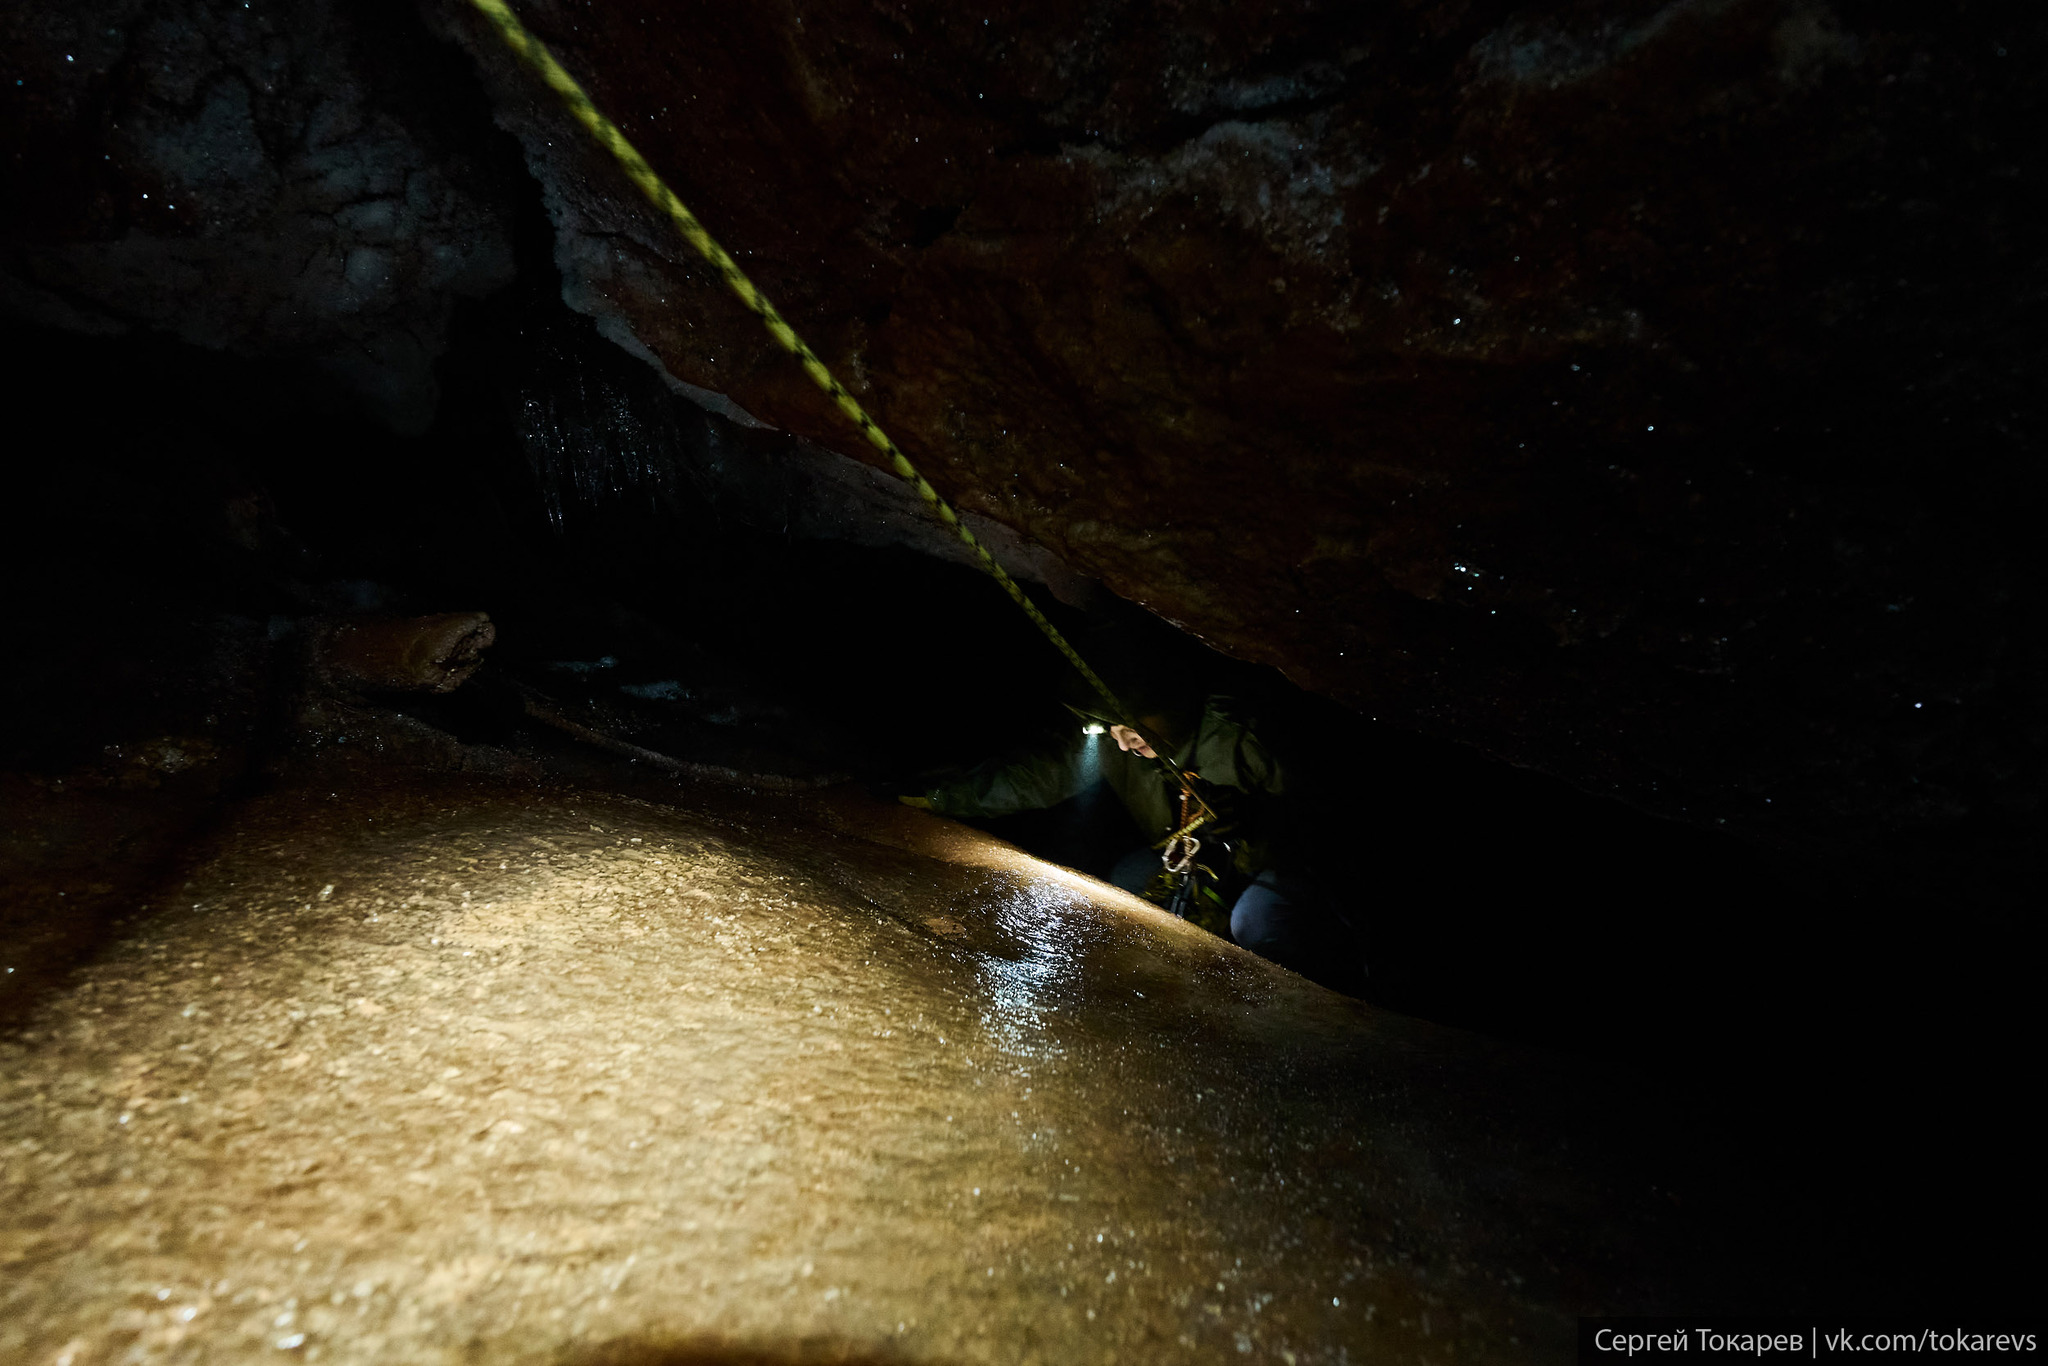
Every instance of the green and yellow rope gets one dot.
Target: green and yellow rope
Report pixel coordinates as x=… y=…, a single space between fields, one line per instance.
x=536 y=55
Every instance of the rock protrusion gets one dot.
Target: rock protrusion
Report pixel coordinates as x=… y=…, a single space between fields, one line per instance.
x=400 y=654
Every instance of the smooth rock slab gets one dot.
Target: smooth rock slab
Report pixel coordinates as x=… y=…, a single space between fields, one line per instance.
x=483 y=1073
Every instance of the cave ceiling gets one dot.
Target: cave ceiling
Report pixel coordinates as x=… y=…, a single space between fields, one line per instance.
x=1642 y=392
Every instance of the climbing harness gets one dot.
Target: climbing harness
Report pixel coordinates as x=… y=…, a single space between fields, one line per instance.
x=1177 y=855
x=1194 y=811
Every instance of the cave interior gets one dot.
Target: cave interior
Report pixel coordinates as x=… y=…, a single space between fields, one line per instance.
x=1809 y=1031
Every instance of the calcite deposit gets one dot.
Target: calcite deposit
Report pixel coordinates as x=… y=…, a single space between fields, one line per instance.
x=446 y=1070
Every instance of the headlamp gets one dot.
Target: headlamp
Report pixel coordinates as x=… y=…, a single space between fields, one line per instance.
x=1095 y=728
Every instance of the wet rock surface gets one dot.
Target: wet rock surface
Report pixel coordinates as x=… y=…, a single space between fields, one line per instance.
x=461 y=1070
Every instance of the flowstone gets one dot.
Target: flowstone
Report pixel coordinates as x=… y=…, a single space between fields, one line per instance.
x=466 y=1070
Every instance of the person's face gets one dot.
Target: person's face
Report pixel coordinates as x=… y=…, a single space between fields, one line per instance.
x=1131 y=742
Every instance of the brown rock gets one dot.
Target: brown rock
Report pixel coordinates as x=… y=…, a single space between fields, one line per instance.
x=1645 y=393
x=401 y=654
x=1573 y=382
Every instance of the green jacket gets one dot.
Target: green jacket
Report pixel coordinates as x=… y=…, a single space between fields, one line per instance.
x=1223 y=753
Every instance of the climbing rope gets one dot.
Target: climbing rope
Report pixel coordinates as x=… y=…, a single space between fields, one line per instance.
x=536 y=55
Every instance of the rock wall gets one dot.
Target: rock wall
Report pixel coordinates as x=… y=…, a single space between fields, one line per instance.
x=1642 y=392
x=299 y=178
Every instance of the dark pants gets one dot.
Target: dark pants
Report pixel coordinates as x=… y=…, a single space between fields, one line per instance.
x=1272 y=917
x=1270 y=920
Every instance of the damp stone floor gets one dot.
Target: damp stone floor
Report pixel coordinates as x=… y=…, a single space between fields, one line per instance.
x=446 y=1069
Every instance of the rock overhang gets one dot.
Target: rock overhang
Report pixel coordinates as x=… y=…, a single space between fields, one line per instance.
x=1580 y=385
